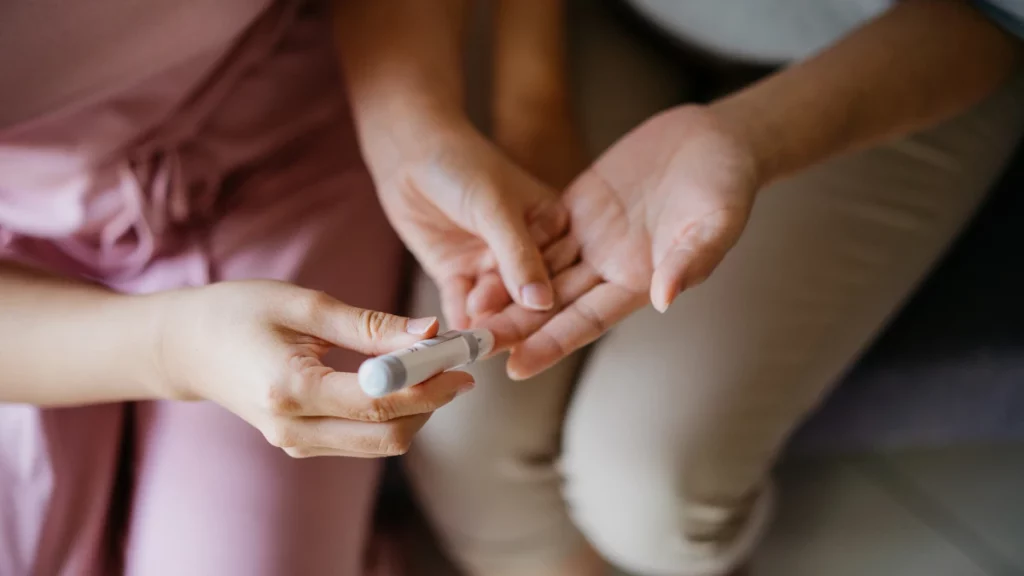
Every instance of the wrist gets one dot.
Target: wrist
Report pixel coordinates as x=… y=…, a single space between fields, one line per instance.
x=408 y=132
x=745 y=125
x=161 y=318
x=112 y=342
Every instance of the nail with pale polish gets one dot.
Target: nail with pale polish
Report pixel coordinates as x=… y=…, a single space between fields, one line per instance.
x=663 y=307
x=537 y=296
x=465 y=388
x=420 y=326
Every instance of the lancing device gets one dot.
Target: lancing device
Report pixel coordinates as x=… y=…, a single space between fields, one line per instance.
x=383 y=375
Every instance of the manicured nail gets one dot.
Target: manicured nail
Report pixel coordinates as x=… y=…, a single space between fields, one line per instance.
x=420 y=326
x=662 y=307
x=465 y=388
x=538 y=296
x=515 y=373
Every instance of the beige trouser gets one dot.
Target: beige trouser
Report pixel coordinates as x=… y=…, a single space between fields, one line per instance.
x=659 y=454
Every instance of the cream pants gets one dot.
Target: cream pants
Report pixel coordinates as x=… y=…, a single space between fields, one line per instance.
x=656 y=446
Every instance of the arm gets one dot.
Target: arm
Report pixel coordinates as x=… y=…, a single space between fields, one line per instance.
x=63 y=342
x=402 y=59
x=532 y=105
x=531 y=114
x=254 y=347
x=460 y=206
x=922 y=62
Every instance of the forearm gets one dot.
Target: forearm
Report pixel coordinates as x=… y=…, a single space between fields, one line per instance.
x=63 y=342
x=532 y=118
x=920 y=63
x=531 y=71
x=402 y=62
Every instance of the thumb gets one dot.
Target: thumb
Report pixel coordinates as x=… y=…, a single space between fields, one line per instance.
x=366 y=331
x=693 y=255
x=519 y=259
x=670 y=278
x=684 y=267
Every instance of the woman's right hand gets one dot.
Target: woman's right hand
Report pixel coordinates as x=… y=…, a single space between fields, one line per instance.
x=255 y=348
x=475 y=221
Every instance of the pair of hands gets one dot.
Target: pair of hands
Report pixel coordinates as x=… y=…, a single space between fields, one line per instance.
x=652 y=216
x=548 y=274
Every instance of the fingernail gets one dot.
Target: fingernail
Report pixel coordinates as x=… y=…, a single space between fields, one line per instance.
x=420 y=326
x=515 y=373
x=662 y=307
x=538 y=296
x=465 y=388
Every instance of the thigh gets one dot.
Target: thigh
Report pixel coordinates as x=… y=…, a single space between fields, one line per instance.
x=484 y=466
x=58 y=498
x=684 y=413
x=212 y=497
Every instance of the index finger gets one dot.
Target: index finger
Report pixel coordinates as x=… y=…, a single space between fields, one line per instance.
x=338 y=395
x=515 y=324
x=579 y=324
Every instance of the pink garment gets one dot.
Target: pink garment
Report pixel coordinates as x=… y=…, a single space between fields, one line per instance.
x=238 y=163
x=54 y=52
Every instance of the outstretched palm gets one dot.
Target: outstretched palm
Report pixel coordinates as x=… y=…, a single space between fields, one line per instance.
x=654 y=215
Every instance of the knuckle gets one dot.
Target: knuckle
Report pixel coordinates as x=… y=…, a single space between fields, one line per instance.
x=551 y=221
x=281 y=401
x=282 y=434
x=312 y=305
x=561 y=348
x=592 y=318
x=520 y=250
x=372 y=324
x=380 y=410
x=559 y=215
x=396 y=441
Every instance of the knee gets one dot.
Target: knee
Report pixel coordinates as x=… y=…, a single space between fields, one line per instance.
x=643 y=518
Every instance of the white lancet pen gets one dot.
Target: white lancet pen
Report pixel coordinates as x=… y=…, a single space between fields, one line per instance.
x=408 y=367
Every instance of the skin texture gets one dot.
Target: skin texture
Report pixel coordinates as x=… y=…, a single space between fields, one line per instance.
x=532 y=119
x=660 y=209
x=254 y=347
x=462 y=207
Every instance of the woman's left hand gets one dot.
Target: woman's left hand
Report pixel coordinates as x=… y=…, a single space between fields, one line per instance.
x=466 y=212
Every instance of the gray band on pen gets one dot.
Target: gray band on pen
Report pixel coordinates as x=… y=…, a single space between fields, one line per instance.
x=474 y=345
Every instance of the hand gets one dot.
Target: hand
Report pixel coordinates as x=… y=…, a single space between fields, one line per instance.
x=255 y=348
x=541 y=137
x=653 y=216
x=466 y=211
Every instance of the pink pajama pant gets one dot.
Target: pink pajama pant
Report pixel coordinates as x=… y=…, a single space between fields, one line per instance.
x=238 y=164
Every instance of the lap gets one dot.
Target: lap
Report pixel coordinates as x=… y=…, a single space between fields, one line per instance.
x=829 y=255
x=687 y=411
x=212 y=497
